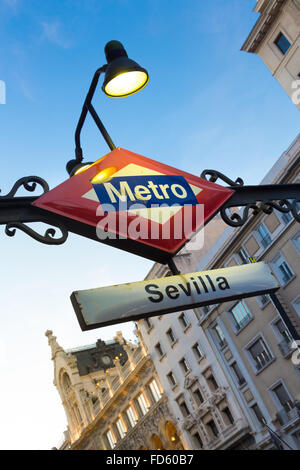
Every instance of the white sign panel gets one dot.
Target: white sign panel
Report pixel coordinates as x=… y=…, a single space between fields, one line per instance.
x=125 y=302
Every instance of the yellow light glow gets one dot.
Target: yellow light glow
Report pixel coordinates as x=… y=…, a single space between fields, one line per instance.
x=173 y=438
x=126 y=83
x=104 y=175
x=82 y=168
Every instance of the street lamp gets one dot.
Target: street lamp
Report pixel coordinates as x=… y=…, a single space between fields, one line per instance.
x=123 y=77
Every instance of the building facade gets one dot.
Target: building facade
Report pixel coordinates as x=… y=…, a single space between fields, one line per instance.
x=112 y=398
x=228 y=369
x=276 y=39
x=249 y=338
x=199 y=394
x=219 y=377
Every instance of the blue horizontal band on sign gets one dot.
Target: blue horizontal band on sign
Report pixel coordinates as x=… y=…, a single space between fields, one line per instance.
x=146 y=190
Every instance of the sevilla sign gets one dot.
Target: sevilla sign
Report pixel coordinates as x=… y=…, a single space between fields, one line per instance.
x=137 y=204
x=115 y=304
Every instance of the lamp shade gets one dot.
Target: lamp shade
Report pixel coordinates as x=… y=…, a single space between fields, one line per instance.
x=123 y=76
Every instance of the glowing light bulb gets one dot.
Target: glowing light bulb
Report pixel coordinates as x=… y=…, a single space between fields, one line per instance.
x=104 y=175
x=126 y=83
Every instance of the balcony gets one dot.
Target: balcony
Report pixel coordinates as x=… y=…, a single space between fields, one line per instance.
x=222 y=343
x=115 y=383
x=241 y=381
x=105 y=397
x=289 y=413
x=286 y=348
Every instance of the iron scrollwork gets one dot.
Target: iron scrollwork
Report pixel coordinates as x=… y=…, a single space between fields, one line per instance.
x=29 y=183
x=235 y=219
x=252 y=200
x=214 y=175
x=21 y=211
x=47 y=238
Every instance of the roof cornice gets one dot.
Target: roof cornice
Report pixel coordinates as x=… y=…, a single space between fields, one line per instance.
x=263 y=25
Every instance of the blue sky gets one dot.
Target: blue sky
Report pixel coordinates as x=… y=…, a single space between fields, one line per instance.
x=207 y=105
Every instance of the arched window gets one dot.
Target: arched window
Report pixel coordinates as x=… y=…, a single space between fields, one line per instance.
x=171 y=433
x=156 y=442
x=66 y=383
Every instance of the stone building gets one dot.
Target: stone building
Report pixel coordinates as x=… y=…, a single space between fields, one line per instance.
x=227 y=369
x=199 y=394
x=248 y=337
x=112 y=397
x=276 y=39
x=218 y=377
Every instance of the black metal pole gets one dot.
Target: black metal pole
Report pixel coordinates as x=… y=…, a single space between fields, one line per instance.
x=101 y=127
x=87 y=107
x=173 y=268
x=285 y=318
x=278 y=437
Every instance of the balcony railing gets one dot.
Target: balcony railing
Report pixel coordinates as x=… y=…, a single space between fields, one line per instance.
x=96 y=407
x=241 y=381
x=222 y=343
x=138 y=355
x=115 y=383
x=105 y=397
x=125 y=371
x=290 y=412
x=285 y=348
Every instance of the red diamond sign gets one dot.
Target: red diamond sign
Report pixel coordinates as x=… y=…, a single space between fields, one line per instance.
x=137 y=204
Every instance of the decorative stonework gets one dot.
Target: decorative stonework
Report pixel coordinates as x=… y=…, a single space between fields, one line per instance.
x=91 y=413
x=151 y=424
x=189 y=422
x=189 y=381
x=262 y=27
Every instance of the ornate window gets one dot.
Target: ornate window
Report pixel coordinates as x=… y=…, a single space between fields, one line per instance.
x=121 y=429
x=155 y=392
x=66 y=383
x=111 y=439
x=142 y=404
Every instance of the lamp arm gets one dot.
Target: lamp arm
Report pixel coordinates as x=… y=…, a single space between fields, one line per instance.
x=87 y=107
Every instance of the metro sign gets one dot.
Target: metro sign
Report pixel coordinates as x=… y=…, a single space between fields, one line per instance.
x=136 y=204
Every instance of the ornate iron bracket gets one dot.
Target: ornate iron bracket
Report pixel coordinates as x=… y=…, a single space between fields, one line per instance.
x=47 y=238
x=214 y=175
x=29 y=183
x=253 y=200
x=15 y=211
